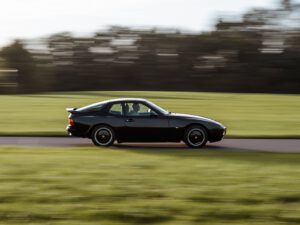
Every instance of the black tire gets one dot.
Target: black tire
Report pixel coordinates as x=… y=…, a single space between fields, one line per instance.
x=103 y=136
x=195 y=137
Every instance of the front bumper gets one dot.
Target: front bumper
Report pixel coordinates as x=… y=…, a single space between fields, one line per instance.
x=217 y=135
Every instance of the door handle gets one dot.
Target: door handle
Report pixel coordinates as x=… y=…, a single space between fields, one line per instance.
x=130 y=120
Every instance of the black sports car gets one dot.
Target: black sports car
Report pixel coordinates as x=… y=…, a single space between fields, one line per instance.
x=138 y=120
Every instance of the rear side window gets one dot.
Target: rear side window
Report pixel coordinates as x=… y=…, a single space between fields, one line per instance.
x=92 y=108
x=116 y=110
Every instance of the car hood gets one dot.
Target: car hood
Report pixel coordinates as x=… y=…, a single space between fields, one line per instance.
x=188 y=116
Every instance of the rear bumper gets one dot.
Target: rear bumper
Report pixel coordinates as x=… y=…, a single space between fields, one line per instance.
x=73 y=131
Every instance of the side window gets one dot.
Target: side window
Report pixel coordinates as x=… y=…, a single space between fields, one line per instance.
x=116 y=110
x=138 y=109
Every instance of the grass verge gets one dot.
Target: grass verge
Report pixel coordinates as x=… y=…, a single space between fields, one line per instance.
x=245 y=115
x=124 y=186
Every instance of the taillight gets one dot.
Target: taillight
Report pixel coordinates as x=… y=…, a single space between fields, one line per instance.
x=71 y=122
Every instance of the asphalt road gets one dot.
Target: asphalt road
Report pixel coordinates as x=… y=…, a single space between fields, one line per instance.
x=272 y=145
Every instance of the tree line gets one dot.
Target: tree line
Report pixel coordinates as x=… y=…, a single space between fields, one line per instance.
x=258 y=53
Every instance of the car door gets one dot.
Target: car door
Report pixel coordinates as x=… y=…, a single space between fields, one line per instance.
x=143 y=123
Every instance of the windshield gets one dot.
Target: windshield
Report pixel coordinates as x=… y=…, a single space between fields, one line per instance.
x=93 y=107
x=161 y=110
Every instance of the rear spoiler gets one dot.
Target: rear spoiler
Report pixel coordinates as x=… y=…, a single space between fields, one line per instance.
x=72 y=110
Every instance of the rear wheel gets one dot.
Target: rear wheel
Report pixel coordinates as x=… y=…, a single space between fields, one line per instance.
x=103 y=136
x=195 y=137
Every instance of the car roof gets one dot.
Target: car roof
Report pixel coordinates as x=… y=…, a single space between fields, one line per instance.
x=127 y=100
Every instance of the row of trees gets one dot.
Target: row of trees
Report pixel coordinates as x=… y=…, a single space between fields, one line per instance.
x=259 y=53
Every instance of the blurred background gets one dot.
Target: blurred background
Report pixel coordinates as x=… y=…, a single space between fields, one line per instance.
x=235 y=61
x=232 y=46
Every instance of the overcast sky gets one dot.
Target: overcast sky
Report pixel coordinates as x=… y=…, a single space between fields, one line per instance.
x=35 y=18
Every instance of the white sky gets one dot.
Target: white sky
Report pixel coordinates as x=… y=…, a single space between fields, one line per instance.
x=35 y=18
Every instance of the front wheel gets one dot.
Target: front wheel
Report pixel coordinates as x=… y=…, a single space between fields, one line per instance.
x=195 y=137
x=103 y=136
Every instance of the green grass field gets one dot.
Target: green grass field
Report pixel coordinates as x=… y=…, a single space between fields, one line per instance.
x=166 y=187
x=245 y=115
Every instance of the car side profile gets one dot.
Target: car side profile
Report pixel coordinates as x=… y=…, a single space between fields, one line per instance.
x=139 y=120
